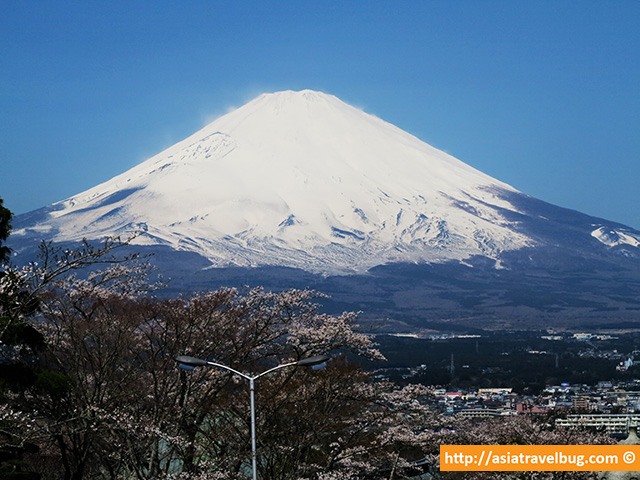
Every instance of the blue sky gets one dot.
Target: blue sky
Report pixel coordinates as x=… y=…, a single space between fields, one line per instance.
x=542 y=95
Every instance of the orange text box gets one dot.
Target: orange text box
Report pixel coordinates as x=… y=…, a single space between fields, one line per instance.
x=540 y=458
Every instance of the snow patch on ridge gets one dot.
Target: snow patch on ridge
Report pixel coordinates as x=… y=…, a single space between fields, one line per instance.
x=614 y=237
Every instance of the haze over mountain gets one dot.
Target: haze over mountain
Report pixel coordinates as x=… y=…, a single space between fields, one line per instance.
x=303 y=180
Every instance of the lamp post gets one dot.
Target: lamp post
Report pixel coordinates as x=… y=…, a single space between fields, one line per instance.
x=305 y=362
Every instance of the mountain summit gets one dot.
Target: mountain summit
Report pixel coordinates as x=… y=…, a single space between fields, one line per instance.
x=304 y=180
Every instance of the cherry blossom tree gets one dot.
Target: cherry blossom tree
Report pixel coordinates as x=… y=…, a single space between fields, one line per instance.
x=20 y=342
x=115 y=403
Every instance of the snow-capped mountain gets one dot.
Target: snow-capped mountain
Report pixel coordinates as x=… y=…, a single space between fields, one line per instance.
x=304 y=180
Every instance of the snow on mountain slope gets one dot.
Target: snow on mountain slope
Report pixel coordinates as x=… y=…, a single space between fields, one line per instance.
x=616 y=237
x=298 y=179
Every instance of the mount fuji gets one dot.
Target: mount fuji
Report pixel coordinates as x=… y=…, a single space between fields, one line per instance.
x=304 y=181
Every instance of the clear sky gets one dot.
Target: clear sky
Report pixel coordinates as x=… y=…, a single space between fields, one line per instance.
x=543 y=95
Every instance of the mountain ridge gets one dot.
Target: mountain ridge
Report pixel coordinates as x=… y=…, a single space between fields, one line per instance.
x=299 y=189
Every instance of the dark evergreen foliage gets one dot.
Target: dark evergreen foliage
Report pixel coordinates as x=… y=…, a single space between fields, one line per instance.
x=5 y=228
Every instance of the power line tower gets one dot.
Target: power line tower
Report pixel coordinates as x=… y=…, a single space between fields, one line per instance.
x=452 y=367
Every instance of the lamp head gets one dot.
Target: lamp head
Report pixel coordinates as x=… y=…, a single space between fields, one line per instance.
x=191 y=361
x=316 y=360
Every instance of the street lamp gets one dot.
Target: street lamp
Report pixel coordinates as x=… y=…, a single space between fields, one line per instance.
x=316 y=360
